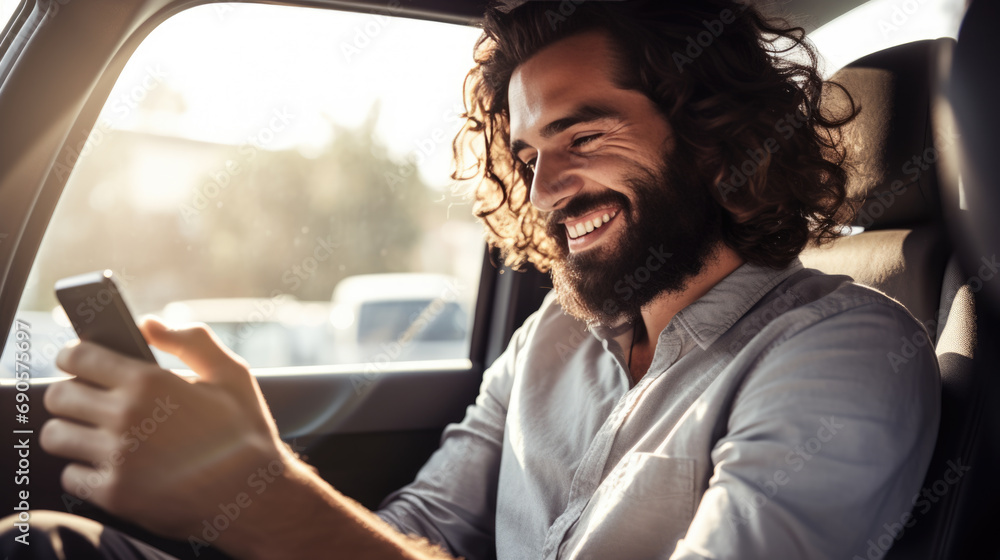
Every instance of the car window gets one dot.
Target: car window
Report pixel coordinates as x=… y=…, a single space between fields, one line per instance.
x=252 y=160
x=880 y=24
x=385 y=321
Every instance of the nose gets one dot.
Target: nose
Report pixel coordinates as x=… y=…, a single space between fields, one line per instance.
x=554 y=182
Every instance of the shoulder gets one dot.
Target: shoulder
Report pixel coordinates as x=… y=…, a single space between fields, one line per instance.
x=844 y=343
x=809 y=303
x=546 y=341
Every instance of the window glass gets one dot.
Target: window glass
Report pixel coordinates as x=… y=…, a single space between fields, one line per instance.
x=283 y=175
x=880 y=24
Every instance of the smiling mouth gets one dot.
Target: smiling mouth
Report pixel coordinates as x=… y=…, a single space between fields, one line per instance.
x=584 y=227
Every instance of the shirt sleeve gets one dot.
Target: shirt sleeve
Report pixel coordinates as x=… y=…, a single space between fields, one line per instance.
x=452 y=501
x=827 y=444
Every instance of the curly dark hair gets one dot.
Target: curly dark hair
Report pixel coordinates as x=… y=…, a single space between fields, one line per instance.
x=719 y=72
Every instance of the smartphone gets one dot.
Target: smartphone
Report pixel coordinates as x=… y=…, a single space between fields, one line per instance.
x=96 y=308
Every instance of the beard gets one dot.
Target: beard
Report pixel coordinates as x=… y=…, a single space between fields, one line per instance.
x=670 y=232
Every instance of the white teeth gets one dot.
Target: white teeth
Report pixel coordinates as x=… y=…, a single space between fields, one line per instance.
x=583 y=228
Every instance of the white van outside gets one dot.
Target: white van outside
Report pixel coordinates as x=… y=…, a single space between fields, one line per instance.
x=399 y=317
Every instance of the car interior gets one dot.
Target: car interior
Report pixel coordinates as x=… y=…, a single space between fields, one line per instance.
x=926 y=235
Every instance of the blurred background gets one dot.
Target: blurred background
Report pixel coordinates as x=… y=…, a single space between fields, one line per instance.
x=250 y=159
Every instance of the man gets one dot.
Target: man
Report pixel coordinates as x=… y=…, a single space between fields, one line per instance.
x=716 y=400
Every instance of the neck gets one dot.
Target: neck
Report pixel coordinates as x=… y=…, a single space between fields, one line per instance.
x=658 y=313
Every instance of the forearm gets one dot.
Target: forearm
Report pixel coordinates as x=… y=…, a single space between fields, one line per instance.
x=299 y=515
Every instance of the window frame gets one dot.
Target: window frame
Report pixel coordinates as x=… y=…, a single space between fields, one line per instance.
x=12 y=28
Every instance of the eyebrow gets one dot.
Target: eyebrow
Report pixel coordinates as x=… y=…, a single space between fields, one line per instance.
x=582 y=114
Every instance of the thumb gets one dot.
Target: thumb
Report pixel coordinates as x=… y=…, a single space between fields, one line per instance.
x=199 y=348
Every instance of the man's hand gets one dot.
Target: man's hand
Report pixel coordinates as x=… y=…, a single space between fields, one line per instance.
x=149 y=445
x=174 y=456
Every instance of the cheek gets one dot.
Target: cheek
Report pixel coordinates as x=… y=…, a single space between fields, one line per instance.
x=611 y=171
x=621 y=158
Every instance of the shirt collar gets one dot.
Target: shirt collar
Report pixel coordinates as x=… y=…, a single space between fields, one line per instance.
x=713 y=314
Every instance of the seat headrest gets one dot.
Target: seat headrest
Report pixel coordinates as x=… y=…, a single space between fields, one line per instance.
x=891 y=147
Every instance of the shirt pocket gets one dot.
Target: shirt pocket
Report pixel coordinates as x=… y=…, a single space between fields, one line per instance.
x=640 y=510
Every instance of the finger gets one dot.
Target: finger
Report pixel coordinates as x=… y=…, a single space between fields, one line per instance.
x=70 y=440
x=198 y=347
x=78 y=400
x=97 y=365
x=84 y=482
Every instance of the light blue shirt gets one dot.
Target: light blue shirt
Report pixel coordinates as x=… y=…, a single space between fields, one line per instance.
x=785 y=414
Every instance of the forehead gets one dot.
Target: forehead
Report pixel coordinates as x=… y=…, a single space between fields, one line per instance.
x=567 y=73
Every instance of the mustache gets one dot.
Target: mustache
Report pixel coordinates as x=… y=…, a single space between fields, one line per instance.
x=584 y=204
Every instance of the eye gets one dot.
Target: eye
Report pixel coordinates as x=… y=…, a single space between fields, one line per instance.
x=584 y=140
x=530 y=164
